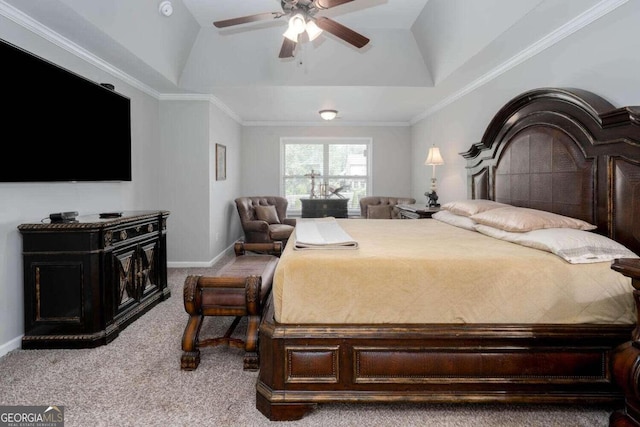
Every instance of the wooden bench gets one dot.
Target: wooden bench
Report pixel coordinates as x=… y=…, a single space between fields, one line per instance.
x=240 y=288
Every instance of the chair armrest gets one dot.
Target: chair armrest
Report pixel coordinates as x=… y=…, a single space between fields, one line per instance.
x=290 y=221
x=256 y=225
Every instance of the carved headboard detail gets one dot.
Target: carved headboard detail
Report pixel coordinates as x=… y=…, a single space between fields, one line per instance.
x=566 y=151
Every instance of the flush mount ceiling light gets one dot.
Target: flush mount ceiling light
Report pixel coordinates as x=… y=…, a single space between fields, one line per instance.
x=166 y=8
x=328 y=114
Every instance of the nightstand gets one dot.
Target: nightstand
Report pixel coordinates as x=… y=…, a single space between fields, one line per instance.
x=416 y=211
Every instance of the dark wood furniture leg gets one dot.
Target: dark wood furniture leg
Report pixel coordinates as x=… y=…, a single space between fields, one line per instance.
x=192 y=301
x=240 y=289
x=625 y=360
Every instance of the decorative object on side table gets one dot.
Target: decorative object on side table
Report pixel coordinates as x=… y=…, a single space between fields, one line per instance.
x=326 y=191
x=336 y=191
x=313 y=175
x=433 y=159
x=415 y=211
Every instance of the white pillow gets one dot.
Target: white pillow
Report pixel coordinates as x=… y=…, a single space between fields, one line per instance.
x=472 y=206
x=525 y=219
x=574 y=246
x=453 y=219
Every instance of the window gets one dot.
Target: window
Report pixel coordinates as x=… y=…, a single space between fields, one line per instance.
x=341 y=164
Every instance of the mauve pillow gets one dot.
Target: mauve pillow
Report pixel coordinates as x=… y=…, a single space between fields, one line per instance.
x=268 y=214
x=525 y=219
x=472 y=206
x=379 y=211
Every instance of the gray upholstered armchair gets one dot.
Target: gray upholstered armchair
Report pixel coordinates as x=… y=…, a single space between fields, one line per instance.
x=264 y=220
x=382 y=207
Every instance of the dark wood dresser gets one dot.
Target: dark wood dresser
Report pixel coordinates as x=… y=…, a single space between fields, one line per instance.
x=85 y=281
x=320 y=208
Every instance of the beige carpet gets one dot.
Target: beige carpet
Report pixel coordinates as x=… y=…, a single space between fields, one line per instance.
x=136 y=381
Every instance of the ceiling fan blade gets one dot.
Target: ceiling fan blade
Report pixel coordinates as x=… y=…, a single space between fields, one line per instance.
x=339 y=30
x=326 y=4
x=244 y=19
x=288 y=46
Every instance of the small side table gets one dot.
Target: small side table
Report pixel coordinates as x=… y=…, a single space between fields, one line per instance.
x=320 y=208
x=416 y=211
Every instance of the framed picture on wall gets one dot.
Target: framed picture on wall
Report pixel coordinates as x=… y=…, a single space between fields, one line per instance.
x=221 y=162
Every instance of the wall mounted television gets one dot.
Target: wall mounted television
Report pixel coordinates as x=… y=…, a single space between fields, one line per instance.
x=59 y=125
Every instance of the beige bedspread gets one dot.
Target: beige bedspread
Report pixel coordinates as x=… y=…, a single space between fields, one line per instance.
x=426 y=271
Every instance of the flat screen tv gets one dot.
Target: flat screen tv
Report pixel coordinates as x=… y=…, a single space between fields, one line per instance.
x=58 y=125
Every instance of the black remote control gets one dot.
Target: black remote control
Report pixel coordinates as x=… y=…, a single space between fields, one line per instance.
x=110 y=214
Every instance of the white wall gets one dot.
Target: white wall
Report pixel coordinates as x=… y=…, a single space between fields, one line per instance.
x=202 y=223
x=225 y=226
x=602 y=58
x=391 y=155
x=184 y=136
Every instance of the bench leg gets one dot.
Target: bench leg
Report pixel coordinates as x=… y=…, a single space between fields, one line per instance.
x=190 y=353
x=251 y=359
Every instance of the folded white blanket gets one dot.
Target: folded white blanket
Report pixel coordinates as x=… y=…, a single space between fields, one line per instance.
x=322 y=233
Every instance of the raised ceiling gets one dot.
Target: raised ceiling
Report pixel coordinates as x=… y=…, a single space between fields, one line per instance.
x=422 y=55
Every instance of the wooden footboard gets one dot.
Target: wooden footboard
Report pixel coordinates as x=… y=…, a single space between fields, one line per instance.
x=302 y=366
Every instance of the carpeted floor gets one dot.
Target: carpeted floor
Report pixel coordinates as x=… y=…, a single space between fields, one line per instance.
x=136 y=381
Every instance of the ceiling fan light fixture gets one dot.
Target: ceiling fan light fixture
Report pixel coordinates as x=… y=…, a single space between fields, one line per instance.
x=291 y=34
x=313 y=31
x=297 y=23
x=328 y=114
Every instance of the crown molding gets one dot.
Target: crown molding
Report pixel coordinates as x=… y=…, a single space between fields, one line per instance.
x=323 y=123
x=201 y=97
x=51 y=36
x=587 y=17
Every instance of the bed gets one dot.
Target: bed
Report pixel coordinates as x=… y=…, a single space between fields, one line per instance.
x=427 y=311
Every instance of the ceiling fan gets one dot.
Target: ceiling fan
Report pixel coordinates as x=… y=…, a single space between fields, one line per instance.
x=302 y=19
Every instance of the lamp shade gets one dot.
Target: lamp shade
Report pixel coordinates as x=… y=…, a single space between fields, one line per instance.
x=291 y=34
x=313 y=31
x=296 y=27
x=434 y=158
x=328 y=114
x=297 y=23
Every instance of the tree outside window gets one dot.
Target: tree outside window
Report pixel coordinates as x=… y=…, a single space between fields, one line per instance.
x=341 y=164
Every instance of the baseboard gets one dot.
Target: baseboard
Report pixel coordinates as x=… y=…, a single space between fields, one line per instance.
x=10 y=345
x=203 y=264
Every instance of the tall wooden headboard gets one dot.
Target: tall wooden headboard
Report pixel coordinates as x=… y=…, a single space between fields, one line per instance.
x=566 y=151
